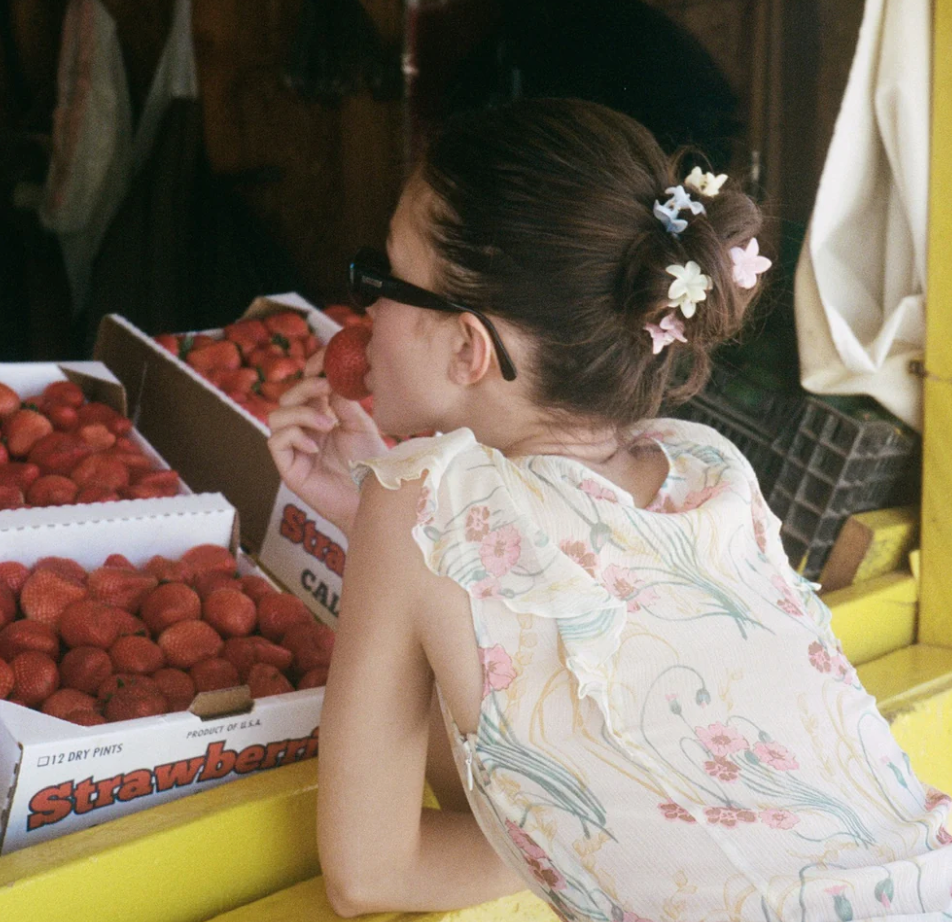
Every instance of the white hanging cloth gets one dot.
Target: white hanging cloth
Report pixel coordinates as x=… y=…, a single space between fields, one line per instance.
x=96 y=152
x=859 y=291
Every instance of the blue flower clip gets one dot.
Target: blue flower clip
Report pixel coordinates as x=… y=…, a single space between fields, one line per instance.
x=681 y=199
x=668 y=216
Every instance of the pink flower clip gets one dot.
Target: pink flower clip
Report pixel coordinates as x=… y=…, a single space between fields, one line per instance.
x=666 y=332
x=748 y=263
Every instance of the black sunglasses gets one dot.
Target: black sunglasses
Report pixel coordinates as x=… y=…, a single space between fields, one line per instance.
x=370 y=279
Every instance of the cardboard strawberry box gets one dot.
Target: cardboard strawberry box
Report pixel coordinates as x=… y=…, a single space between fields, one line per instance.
x=101 y=390
x=217 y=445
x=58 y=777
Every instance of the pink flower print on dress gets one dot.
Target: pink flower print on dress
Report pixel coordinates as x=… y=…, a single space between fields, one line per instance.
x=673 y=811
x=779 y=819
x=788 y=603
x=819 y=657
x=729 y=816
x=597 y=491
x=424 y=511
x=943 y=836
x=622 y=583
x=722 y=769
x=699 y=497
x=842 y=668
x=498 y=671
x=721 y=740
x=500 y=549
x=582 y=554
x=935 y=797
x=487 y=588
x=538 y=861
x=633 y=917
x=776 y=756
x=477 y=523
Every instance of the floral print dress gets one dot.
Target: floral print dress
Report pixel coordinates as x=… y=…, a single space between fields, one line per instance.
x=668 y=730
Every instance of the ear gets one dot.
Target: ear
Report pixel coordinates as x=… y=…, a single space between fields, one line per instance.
x=472 y=351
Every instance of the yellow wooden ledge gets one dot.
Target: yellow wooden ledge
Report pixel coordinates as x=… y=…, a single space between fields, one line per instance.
x=913 y=688
x=876 y=617
x=184 y=861
x=307 y=902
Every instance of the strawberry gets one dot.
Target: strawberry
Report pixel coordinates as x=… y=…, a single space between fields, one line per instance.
x=255 y=587
x=130 y=454
x=196 y=341
x=278 y=612
x=52 y=490
x=23 y=429
x=230 y=612
x=122 y=588
x=5 y=455
x=287 y=324
x=280 y=367
x=273 y=390
x=311 y=345
x=8 y=605
x=264 y=680
x=177 y=686
x=258 y=407
x=21 y=636
x=102 y=470
x=85 y=718
x=310 y=644
x=169 y=341
x=88 y=623
x=313 y=678
x=130 y=624
x=35 y=677
x=6 y=679
x=168 y=604
x=96 y=493
x=85 y=669
x=120 y=561
x=271 y=653
x=66 y=700
x=246 y=334
x=166 y=481
x=220 y=354
x=64 y=418
x=345 y=362
x=58 y=453
x=65 y=567
x=206 y=583
x=241 y=652
x=19 y=474
x=13 y=575
x=189 y=642
x=138 y=655
x=130 y=703
x=96 y=436
x=237 y=379
x=204 y=557
x=120 y=680
x=113 y=420
x=11 y=497
x=345 y=315
x=212 y=674
x=46 y=594
x=9 y=401
x=65 y=393
x=165 y=570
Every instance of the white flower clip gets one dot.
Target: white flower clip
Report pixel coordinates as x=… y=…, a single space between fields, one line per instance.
x=666 y=332
x=705 y=183
x=680 y=200
x=748 y=263
x=690 y=286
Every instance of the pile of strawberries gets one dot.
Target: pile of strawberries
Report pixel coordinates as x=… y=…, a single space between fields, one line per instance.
x=255 y=362
x=120 y=642
x=57 y=448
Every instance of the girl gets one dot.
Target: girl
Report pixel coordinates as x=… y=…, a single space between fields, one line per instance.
x=649 y=714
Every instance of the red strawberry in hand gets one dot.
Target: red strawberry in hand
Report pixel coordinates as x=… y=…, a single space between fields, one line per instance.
x=345 y=362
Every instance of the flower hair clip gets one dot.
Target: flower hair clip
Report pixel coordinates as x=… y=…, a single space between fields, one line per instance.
x=669 y=218
x=679 y=201
x=666 y=332
x=706 y=183
x=689 y=288
x=748 y=263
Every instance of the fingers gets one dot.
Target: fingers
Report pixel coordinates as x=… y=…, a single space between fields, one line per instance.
x=287 y=446
x=309 y=389
x=315 y=364
x=302 y=416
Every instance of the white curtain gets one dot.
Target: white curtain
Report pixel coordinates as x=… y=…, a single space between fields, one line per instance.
x=860 y=281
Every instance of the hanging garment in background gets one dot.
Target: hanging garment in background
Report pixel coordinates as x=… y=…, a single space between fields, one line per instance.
x=96 y=149
x=860 y=281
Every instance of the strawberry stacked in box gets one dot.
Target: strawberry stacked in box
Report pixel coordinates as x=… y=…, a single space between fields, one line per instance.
x=58 y=448
x=254 y=363
x=121 y=642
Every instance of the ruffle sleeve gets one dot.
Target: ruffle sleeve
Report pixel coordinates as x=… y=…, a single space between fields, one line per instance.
x=478 y=524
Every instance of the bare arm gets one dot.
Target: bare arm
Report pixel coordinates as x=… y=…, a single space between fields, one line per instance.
x=378 y=849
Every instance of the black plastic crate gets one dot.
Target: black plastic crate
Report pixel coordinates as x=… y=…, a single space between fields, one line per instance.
x=849 y=455
x=818 y=460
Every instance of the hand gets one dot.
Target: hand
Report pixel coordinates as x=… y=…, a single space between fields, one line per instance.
x=315 y=435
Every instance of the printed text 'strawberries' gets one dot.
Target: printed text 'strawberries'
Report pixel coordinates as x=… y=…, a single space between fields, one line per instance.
x=345 y=362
